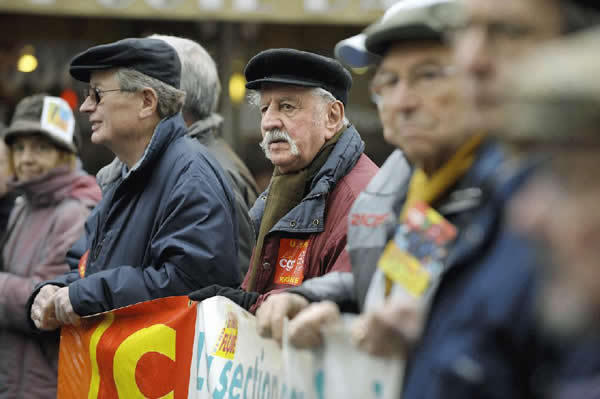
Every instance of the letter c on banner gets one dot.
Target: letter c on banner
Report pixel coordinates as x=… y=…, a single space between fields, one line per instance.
x=157 y=338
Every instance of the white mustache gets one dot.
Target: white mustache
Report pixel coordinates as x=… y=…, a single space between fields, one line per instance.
x=278 y=135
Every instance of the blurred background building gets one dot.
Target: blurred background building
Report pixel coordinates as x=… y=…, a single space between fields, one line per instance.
x=39 y=37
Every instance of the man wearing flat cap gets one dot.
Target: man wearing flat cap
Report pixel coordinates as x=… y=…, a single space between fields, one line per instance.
x=301 y=220
x=166 y=224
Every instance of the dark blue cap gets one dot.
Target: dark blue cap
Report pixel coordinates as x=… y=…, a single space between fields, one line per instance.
x=298 y=68
x=152 y=57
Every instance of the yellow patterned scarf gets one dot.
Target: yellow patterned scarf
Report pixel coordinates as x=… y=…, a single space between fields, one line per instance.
x=423 y=188
x=429 y=189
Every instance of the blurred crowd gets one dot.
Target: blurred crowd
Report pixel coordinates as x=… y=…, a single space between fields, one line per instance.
x=469 y=256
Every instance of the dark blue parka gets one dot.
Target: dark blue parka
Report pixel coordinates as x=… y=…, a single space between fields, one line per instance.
x=482 y=339
x=167 y=227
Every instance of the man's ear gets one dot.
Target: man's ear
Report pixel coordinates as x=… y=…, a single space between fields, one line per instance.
x=335 y=117
x=149 y=102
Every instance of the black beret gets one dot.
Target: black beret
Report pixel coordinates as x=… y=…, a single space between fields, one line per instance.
x=298 y=68
x=152 y=57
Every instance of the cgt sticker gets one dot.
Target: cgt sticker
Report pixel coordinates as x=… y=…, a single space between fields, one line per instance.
x=290 y=261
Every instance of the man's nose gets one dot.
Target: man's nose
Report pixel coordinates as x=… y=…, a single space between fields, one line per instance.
x=27 y=155
x=87 y=105
x=271 y=119
x=402 y=98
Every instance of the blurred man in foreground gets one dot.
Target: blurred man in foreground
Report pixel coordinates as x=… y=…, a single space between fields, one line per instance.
x=552 y=112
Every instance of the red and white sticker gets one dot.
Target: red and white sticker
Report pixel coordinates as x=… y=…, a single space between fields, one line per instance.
x=290 y=261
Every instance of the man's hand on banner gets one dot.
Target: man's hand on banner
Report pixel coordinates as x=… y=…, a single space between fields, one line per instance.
x=270 y=315
x=63 y=308
x=43 y=315
x=305 y=328
x=390 y=330
x=243 y=298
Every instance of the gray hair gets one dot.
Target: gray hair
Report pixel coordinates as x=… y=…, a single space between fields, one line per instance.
x=199 y=78
x=170 y=99
x=328 y=98
x=254 y=98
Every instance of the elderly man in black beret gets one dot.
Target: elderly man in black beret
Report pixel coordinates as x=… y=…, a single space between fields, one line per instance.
x=166 y=224
x=301 y=220
x=552 y=112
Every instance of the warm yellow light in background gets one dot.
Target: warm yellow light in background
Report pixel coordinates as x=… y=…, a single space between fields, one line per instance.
x=237 y=87
x=27 y=63
x=360 y=71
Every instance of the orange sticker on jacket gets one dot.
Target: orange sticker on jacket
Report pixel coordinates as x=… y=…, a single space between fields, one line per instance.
x=82 y=263
x=290 y=261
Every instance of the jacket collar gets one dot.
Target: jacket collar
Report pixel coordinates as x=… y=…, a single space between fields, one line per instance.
x=390 y=184
x=308 y=216
x=471 y=190
x=167 y=130
x=485 y=191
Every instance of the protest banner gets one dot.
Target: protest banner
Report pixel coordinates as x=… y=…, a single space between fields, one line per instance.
x=176 y=348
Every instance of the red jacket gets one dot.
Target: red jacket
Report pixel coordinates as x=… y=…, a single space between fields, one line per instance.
x=310 y=240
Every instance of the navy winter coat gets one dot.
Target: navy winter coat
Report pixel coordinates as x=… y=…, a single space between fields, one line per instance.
x=167 y=227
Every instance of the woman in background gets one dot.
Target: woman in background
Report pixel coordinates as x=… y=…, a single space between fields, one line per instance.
x=55 y=199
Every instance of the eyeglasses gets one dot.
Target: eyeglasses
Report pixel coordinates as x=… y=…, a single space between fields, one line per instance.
x=422 y=79
x=94 y=93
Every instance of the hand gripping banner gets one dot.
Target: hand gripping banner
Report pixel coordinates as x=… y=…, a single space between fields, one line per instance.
x=172 y=348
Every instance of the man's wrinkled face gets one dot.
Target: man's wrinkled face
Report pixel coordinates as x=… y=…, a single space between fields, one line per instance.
x=115 y=116
x=293 y=126
x=559 y=208
x=418 y=97
x=496 y=33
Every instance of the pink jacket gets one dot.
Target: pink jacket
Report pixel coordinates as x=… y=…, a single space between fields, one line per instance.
x=46 y=220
